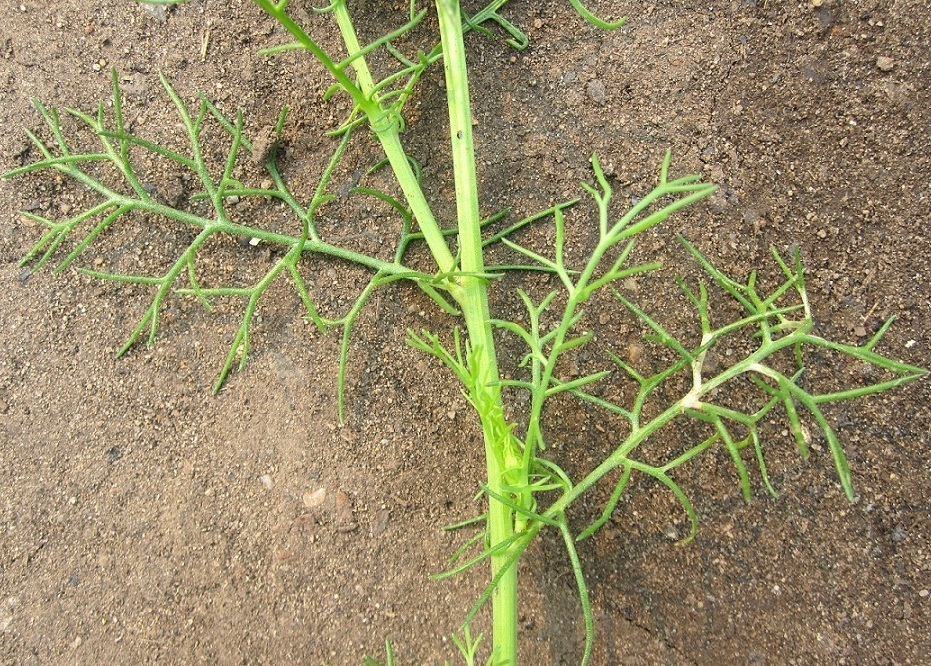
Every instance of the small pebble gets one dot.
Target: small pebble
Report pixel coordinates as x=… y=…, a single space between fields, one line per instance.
x=885 y=63
x=342 y=501
x=157 y=12
x=266 y=481
x=596 y=91
x=314 y=498
x=187 y=468
x=923 y=593
x=899 y=534
x=343 y=518
x=380 y=524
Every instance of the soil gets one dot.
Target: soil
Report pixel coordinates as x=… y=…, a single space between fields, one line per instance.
x=146 y=520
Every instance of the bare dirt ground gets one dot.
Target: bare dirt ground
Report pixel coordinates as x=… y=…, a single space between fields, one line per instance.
x=145 y=520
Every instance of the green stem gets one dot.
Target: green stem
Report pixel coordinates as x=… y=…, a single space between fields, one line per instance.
x=383 y=121
x=473 y=298
x=386 y=124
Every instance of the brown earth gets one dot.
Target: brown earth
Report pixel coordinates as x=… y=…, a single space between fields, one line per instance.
x=146 y=520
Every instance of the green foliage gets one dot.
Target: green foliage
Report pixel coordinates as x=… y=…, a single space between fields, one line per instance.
x=526 y=492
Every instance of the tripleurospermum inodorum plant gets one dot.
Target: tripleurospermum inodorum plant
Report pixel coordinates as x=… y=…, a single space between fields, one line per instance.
x=526 y=491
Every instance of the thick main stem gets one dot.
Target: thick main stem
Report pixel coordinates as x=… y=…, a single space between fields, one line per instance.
x=473 y=300
x=466 y=282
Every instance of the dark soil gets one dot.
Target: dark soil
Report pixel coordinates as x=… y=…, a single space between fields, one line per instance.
x=145 y=520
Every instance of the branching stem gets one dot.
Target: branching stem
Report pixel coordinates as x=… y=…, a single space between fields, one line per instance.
x=473 y=299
